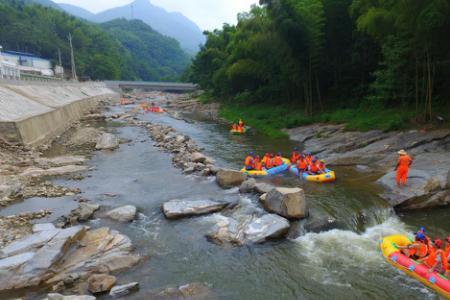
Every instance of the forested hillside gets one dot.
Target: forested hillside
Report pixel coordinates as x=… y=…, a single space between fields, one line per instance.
x=154 y=55
x=373 y=64
x=100 y=53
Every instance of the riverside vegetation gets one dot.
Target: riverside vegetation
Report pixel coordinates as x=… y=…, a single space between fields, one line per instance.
x=120 y=49
x=370 y=64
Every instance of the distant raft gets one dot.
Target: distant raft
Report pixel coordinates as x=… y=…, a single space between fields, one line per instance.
x=329 y=176
x=416 y=270
x=156 y=110
x=270 y=172
x=243 y=131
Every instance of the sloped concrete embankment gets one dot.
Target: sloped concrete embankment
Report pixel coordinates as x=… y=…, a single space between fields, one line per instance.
x=33 y=113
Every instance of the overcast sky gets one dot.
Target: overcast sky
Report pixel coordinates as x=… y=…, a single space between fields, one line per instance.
x=208 y=14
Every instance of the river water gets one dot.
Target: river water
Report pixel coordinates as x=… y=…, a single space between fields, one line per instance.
x=340 y=264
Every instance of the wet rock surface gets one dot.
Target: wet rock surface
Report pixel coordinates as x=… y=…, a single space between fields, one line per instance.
x=287 y=202
x=176 y=209
x=125 y=213
x=123 y=290
x=376 y=152
x=240 y=230
x=100 y=283
x=107 y=141
x=230 y=178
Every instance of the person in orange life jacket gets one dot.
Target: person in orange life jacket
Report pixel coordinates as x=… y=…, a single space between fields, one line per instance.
x=416 y=250
x=302 y=164
x=234 y=127
x=241 y=123
x=436 y=259
x=322 y=167
x=278 y=160
x=269 y=164
x=266 y=161
x=309 y=158
x=447 y=254
x=295 y=156
x=402 y=168
x=313 y=169
x=250 y=161
x=257 y=163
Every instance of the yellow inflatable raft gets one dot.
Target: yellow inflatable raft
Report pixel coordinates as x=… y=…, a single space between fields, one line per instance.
x=416 y=270
x=270 y=172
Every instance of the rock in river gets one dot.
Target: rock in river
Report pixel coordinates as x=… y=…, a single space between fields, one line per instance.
x=267 y=227
x=230 y=178
x=61 y=297
x=107 y=141
x=123 y=290
x=287 y=202
x=184 y=208
x=248 y=229
x=99 y=283
x=125 y=213
x=248 y=186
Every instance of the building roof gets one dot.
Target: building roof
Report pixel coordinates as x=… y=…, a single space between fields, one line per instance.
x=17 y=53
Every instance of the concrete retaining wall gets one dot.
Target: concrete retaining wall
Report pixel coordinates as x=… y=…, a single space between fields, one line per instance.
x=32 y=113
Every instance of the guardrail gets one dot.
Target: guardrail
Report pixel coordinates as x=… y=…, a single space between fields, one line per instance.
x=33 y=77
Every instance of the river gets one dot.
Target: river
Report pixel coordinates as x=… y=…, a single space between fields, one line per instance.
x=340 y=264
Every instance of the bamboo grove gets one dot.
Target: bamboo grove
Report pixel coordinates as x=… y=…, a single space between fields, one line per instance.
x=328 y=54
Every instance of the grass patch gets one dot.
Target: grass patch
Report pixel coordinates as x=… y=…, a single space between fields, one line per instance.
x=270 y=120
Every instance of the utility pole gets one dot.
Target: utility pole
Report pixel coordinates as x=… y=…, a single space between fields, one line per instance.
x=59 y=57
x=72 y=58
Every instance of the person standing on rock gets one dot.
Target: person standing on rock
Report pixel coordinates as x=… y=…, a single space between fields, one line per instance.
x=402 y=168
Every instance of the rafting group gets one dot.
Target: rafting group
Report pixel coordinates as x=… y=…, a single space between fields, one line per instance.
x=304 y=165
x=151 y=108
x=238 y=128
x=422 y=258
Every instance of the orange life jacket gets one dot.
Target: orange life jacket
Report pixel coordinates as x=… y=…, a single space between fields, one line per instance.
x=404 y=162
x=269 y=163
x=234 y=127
x=314 y=168
x=302 y=164
x=431 y=260
x=421 y=252
x=265 y=160
x=277 y=161
x=295 y=157
x=249 y=162
x=241 y=123
x=258 y=164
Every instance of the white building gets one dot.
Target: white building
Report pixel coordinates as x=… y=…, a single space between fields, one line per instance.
x=27 y=63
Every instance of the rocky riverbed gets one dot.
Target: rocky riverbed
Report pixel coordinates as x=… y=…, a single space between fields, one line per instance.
x=69 y=257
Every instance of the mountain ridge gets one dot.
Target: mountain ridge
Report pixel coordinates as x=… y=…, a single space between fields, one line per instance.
x=172 y=24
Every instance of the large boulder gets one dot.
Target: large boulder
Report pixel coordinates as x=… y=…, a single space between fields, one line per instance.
x=125 y=213
x=85 y=137
x=100 y=283
x=107 y=141
x=420 y=185
x=263 y=188
x=441 y=198
x=269 y=226
x=248 y=186
x=230 y=178
x=248 y=229
x=287 y=202
x=175 y=209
